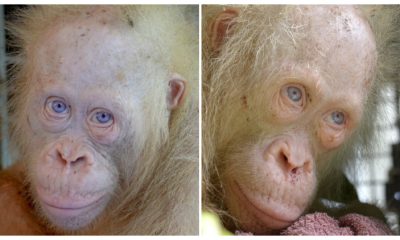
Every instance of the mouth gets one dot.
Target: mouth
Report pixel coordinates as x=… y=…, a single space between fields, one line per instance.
x=272 y=215
x=67 y=206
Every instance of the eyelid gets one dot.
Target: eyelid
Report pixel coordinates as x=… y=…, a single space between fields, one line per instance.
x=93 y=121
x=50 y=113
x=289 y=102
x=329 y=121
x=334 y=114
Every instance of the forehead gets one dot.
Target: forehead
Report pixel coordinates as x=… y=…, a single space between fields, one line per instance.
x=335 y=41
x=96 y=49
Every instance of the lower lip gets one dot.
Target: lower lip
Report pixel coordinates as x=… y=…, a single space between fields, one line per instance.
x=269 y=219
x=67 y=207
x=65 y=212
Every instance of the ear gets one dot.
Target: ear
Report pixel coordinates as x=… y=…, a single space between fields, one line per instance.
x=176 y=92
x=221 y=26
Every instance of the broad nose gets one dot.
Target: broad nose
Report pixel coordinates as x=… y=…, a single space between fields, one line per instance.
x=292 y=154
x=71 y=153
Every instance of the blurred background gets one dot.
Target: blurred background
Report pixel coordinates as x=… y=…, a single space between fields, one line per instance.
x=378 y=180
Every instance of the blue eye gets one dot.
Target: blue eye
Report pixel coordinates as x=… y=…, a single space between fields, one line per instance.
x=103 y=117
x=338 y=118
x=58 y=106
x=294 y=93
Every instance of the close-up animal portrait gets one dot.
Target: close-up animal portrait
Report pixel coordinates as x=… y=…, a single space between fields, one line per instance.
x=291 y=108
x=102 y=106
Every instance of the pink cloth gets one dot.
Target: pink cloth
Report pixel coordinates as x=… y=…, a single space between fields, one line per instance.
x=350 y=224
x=322 y=224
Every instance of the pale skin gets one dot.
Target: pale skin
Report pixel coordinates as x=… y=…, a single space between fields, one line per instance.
x=81 y=80
x=308 y=108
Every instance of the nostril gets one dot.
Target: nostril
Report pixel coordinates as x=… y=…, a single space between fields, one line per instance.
x=79 y=159
x=284 y=157
x=290 y=165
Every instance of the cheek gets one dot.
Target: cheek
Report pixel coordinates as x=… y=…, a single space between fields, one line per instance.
x=39 y=130
x=105 y=136
x=278 y=114
x=330 y=138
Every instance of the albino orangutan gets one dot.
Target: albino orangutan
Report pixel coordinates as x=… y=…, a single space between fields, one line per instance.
x=104 y=121
x=289 y=95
